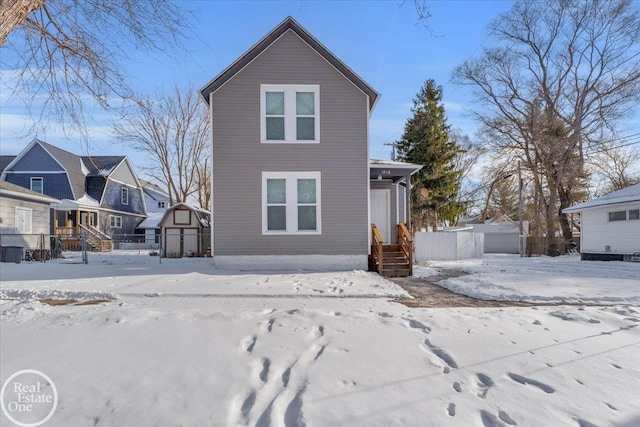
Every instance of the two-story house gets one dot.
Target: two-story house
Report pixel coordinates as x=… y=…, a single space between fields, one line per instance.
x=99 y=194
x=291 y=171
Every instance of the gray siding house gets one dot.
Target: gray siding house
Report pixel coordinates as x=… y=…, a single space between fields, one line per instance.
x=291 y=170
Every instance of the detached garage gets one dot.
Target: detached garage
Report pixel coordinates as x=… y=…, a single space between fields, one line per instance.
x=610 y=226
x=186 y=231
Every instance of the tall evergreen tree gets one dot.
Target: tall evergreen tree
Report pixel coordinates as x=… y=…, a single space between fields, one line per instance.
x=426 y=141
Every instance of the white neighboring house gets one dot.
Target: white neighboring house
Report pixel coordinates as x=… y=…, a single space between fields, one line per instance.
x=157 y=203
x=610 y=225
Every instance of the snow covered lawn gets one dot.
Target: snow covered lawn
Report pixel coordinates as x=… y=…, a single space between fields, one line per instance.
x=184 y=344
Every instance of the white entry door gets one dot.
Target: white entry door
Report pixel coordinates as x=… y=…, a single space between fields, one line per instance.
x=380 y=212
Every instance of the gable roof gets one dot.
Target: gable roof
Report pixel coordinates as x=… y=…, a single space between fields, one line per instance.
x=203 y=215
x=78 y=168
x=289 y=24
x=8 y=189
x=101 y=165
x=72 y=164
x=150 y=188
x=629 y=194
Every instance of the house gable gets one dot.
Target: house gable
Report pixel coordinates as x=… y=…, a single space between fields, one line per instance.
x=289 y=25
x=37 y=161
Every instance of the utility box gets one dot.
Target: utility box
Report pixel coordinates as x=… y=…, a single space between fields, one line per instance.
x=11 y=254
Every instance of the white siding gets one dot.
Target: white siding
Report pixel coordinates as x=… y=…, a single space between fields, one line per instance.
x=597 y=231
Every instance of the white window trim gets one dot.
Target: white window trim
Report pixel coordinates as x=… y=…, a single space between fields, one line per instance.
x=38 y=178
x=115 y=221
x=124 y=200
x=291 y=186
x=29 y=228
x=289 y=113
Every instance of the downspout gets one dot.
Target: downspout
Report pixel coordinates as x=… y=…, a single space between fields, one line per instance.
x=213 y=218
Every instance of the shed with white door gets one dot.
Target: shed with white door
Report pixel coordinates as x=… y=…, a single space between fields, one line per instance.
x=185 y=231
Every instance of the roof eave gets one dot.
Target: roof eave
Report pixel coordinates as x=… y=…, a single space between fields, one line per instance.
x=288 y=24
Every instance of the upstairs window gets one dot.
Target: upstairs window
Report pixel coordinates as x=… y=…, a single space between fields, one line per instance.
x=634 y=214
x=37 y=185
x=291 y=202
x=289 y=113
x=124 y=196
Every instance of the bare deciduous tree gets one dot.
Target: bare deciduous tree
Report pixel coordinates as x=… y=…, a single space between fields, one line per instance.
x=615 y=168
x=563 y=72
x=61 y=51
x=173 y=129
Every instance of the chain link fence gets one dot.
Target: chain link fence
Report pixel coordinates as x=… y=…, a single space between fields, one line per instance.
x=177 y=243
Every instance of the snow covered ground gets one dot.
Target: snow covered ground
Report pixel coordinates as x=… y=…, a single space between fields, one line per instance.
x=181 y=343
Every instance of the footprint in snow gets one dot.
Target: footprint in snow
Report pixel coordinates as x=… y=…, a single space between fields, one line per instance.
x=451 y=409
x=485 y=383
x=247 y=344
x=524 y=381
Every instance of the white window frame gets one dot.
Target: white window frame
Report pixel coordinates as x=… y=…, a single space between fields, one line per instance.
x=37 y=178
x=629 y=215
x=115 y=221
x=289 y=113
x=26 y=226
x=291 y=191
x=124 y=196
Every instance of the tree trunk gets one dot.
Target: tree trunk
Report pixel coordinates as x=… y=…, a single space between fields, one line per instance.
x=13 y=12
x=552 y=245
x=565 y=201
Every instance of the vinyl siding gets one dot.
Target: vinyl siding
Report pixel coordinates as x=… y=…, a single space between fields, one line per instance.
x=53 y=184
x=239 y=158
x=597 y=231
x=112 y=200
x=39 y=222
x=37 y=159
x=124 y=174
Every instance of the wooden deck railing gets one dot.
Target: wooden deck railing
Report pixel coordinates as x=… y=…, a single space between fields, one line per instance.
x=405 y=240
x=376 y=243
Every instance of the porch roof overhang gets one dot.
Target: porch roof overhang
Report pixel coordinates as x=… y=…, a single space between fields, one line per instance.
x=72 y=205
x=389 y=169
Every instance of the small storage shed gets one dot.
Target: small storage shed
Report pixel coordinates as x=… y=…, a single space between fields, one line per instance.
x=25 y=218
x=186 y=231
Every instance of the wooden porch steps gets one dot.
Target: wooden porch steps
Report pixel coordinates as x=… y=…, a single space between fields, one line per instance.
x=395 y=262
x=392 y=260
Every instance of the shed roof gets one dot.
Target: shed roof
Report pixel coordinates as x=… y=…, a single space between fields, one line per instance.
x=629 y=194
x=8 y=189
x=289 y=24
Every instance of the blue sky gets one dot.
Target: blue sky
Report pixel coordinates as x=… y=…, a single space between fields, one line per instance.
x=380 y=40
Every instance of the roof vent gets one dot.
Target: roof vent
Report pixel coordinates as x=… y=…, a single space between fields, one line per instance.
x=607 y=248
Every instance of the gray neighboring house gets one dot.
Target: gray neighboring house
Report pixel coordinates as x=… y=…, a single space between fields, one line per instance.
x=610 y=226
x=24 y=215
x=291 y=171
